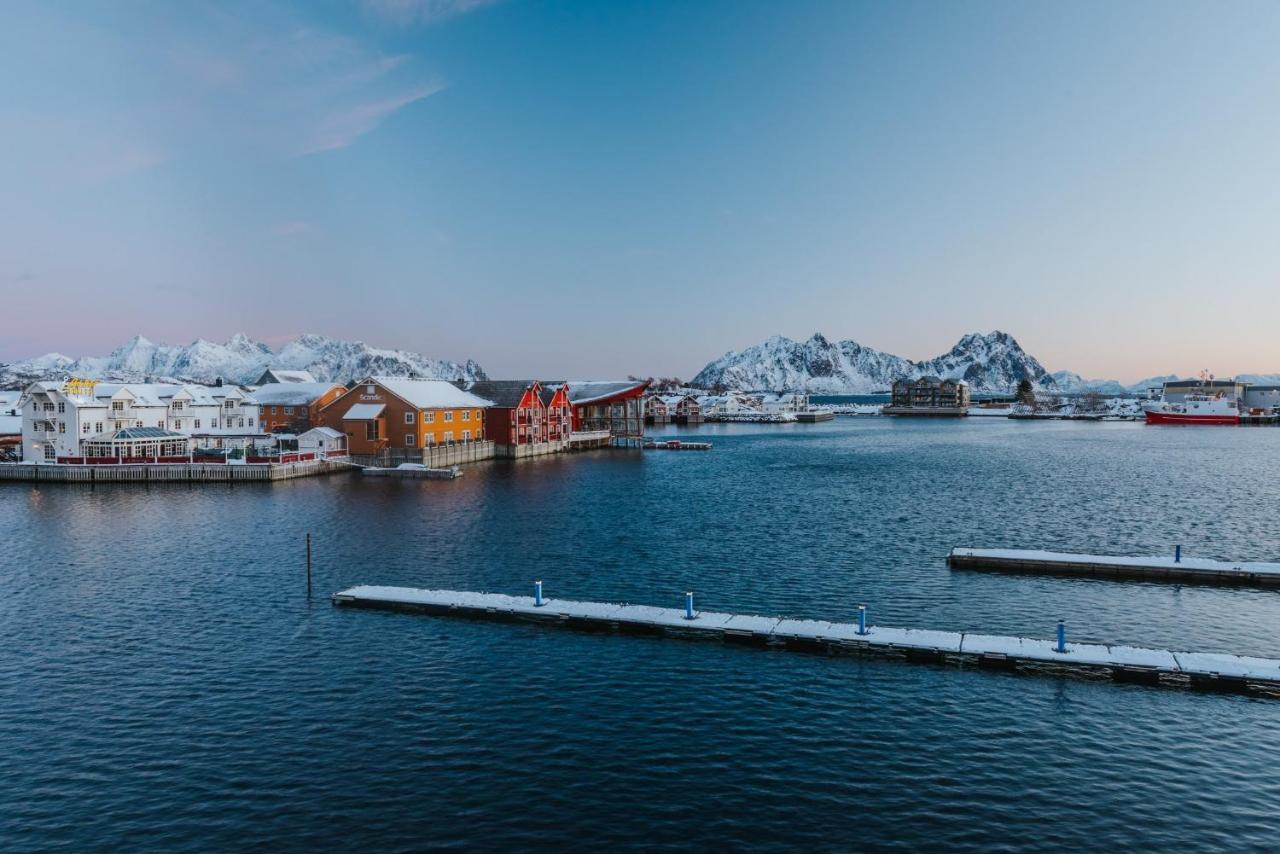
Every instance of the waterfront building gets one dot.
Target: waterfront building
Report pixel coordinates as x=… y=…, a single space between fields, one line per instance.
x=323 y=442
x=683 y=408
x=275 y=375
x=1262 y=399
x=614 y=410
x=294 y=406
x=516 y=414
x=58 y=418
x=929 y=396
x=559 y=411
x=785 y=402
x=656 y=410
x=1176 y=391
x=404 y=412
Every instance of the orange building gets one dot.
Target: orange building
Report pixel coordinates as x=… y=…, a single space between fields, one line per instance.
x=294 y=407
x=401 y=412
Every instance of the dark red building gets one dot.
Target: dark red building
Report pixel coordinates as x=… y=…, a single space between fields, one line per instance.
x=518 y=415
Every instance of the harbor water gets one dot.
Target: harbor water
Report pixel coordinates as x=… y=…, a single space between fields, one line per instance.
x=165 y=683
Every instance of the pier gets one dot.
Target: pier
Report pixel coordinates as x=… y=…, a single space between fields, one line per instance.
x=676 y=445
x=1156 y=667
x=168 y=472
x=1173 y=568
x=415 y=472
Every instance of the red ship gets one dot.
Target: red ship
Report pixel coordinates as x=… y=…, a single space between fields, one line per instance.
x=1201 y=408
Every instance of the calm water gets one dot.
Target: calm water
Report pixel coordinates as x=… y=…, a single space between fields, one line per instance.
x=165 y=683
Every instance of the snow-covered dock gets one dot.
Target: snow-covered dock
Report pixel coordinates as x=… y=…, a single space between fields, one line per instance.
x=1211 y=671
x=1174 y=567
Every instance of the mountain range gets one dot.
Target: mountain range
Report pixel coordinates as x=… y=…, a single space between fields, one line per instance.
x=240 y=360
x=989 y=363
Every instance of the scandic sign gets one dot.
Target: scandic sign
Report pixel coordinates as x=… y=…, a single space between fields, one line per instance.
x=371 y=397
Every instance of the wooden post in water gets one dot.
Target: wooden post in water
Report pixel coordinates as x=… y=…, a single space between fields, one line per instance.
x=308 y=564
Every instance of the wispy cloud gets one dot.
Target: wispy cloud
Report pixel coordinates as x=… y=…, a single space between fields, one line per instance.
x=340 y=129
x=407 y=12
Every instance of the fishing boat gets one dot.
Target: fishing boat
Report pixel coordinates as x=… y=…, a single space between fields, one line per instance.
x=1199 y=408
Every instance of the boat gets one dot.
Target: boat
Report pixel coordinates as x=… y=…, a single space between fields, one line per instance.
x=1199 y=408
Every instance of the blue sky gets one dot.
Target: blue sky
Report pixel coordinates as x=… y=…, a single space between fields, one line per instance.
x=608 y=188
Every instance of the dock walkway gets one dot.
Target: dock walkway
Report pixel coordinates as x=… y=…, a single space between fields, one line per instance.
x=1208 y=671
x=1174 y=568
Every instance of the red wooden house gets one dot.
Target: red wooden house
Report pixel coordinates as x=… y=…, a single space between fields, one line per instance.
x=559 y=411
x=518 y=415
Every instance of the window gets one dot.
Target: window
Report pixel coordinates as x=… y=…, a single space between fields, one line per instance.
x=62 y=407
x=428 y=418
x=50 y=453
x=177 y=404
x=116 y=405
x=448 y=436
x=273 y=410
x=371 y=430
x=448 y=416
x=466 y=415
x=409 y=440
x=62 y=426
x=410 y=417
x=85 y=427
x=466 y=435
x=288 y=410
x=139 y=424
x=241 y=424
x=370 y=389
x=197 y=423
x=97 y=426
x=177 y=424
x=428 y=440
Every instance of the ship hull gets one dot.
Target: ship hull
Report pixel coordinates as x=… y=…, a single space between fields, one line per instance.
x=1154 y=417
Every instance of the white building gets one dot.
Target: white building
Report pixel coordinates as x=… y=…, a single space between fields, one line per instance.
x=785 y=402
x=322 y=441
x=59 y=417
x=275 y=375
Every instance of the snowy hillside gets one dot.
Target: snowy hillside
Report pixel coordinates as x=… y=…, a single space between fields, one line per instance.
x=988 y=363
x=239 y=360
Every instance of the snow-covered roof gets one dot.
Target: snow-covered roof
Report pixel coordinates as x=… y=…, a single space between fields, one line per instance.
x=430 y=394
x=327 y=432
x=590 y=391
x=292 y=393
x=275 y=375
x=364 y=412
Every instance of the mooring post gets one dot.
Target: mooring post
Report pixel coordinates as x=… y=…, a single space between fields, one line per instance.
x=688 y=605
x=1177 y=554
x=537 y=594
x=1062 y=637
x=862 y=619
x=308 y=564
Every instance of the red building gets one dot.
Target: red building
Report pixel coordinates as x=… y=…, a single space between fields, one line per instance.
x=616 y=408
x=559 y=411
x=517 y=415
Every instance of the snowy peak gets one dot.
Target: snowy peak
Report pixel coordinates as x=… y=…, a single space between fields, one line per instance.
x=988 y=362
x=241 y=360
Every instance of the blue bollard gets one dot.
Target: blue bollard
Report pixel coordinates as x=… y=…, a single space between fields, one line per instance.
x=1177 y=554
x=862 y=619
x=688 y=605
x=1062 y=637
x=537 y=594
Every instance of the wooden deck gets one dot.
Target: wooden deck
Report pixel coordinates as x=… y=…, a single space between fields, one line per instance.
x=1156 y=667
x=1172 y=568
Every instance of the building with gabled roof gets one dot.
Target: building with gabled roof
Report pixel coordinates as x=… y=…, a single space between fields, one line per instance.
x=516 y=414
x=275 y=375
x=294 y=406
x=380 y=413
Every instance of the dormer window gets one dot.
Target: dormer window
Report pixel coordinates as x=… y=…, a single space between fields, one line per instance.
x=369 y=389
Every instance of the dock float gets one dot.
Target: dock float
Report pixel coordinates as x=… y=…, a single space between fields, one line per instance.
x=1195 y=670
x=1175 y=568
x=414 y=470
x=676 y=445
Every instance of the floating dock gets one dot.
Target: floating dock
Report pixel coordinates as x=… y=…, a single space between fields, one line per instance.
x=1205 y=671
x=1174 y=568
x=676 y=445
x=415 y=472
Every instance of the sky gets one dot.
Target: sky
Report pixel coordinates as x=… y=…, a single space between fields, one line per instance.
x=559 y=188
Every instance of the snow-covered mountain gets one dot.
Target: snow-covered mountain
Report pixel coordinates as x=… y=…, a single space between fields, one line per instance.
x=239 y=360
x=988 y=363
